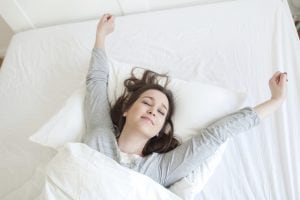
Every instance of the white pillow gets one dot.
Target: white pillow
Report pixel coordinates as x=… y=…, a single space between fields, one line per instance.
x=198 y=102
x=67 y=125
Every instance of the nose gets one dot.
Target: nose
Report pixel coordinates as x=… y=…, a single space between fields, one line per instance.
x=151 y=112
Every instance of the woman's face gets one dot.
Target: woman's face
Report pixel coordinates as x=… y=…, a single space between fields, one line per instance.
x=148 y=113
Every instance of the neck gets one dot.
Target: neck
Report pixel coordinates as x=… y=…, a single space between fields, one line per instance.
x=131 y=141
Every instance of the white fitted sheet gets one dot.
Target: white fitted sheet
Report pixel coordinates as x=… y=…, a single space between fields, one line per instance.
x=237 y=45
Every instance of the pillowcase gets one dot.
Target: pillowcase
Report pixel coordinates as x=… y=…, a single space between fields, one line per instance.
x=67 y=125
x=198 y=102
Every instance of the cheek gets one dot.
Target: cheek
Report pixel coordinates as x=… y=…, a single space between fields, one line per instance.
x=137 y=110
x=161 y=122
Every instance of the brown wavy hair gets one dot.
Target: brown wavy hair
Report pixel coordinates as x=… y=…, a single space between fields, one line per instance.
x=163 y=142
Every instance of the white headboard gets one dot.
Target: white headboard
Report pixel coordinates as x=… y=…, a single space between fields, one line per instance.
x=29 y=14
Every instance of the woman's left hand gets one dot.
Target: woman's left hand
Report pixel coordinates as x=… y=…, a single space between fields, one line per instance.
x=277 y=85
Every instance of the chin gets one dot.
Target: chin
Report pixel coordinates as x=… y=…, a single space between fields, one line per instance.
x=146 y=132
x=148 y=135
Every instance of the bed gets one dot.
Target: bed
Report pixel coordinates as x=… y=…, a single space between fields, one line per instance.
x=237 y=45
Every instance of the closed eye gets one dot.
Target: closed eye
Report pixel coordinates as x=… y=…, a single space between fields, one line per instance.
x=144 y=102
x=161 y=113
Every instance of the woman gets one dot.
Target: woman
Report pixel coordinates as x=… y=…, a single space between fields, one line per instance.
x=139 y=132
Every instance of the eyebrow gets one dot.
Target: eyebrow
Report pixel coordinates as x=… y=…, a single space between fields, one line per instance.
x=154 y=100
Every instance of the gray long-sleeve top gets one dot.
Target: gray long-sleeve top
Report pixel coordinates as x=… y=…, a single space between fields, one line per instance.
x=166 y=168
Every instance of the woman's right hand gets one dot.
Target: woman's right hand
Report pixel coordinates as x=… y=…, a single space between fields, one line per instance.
x=106 y=25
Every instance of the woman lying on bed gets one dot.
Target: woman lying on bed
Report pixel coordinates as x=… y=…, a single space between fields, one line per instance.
x=137 y=131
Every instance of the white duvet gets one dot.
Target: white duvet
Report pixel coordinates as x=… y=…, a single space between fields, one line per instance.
x=79 y=172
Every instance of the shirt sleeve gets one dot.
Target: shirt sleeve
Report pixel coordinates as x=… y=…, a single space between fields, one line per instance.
x=179 y=162
x=97 y=107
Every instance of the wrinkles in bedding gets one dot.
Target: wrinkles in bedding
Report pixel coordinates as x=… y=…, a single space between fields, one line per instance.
x=80 y=172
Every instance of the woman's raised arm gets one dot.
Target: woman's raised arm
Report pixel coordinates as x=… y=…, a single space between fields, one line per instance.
x=99 y=127
x=180 y=161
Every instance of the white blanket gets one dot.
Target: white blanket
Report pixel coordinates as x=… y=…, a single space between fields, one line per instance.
x=79 y=172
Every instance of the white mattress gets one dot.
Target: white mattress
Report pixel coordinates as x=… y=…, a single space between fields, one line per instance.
x=237 y=45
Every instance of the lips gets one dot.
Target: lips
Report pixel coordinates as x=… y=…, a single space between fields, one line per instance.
x=147 y=118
